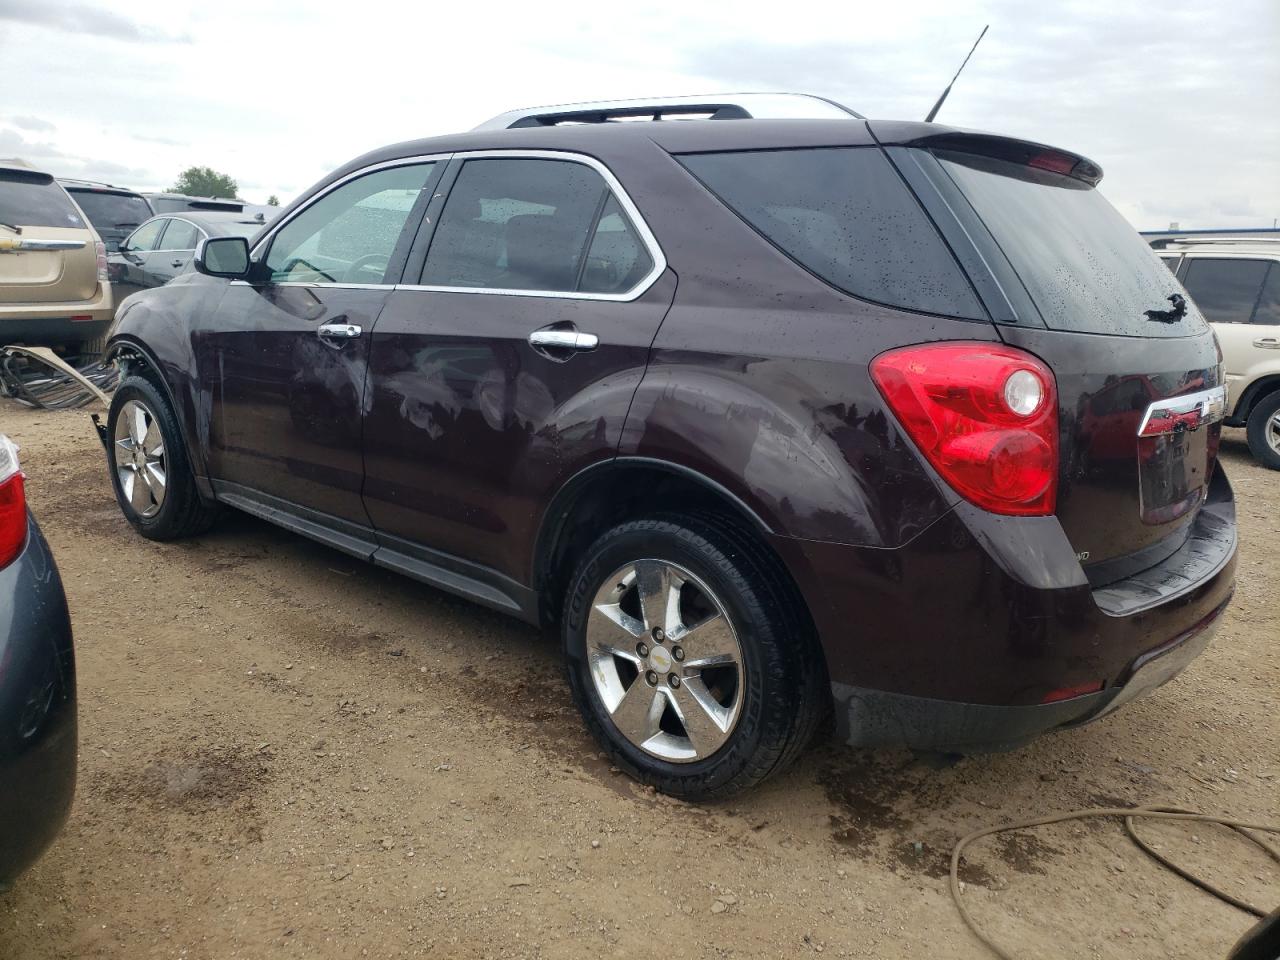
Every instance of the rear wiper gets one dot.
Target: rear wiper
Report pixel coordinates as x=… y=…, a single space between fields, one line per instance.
x=17 y=230
x=127 y=223
x=1169 y=316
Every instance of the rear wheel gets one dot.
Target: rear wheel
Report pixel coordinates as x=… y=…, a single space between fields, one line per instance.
x=150 y=472
x=1263 y=431
x=688 y=658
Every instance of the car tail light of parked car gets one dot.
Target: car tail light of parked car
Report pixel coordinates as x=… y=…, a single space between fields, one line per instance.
x=13 y=503
x=985 y=416
x=101 y=249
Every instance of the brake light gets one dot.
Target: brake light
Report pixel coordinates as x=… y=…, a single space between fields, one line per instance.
x=101 y=249
x=985 y=416
x=13 y=503
x=1053 y=161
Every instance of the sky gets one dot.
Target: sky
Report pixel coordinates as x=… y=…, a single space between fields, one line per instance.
x=1176 y=100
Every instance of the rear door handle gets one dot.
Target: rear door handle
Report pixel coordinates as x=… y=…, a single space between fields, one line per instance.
x=176 y=263
x=1267 y=343
x=563 y=340
x=339 y=331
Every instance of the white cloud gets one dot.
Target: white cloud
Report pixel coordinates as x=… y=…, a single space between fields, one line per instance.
x=278 y=94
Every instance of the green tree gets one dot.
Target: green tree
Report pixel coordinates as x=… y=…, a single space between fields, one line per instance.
x=273 y=201
x=205 y=182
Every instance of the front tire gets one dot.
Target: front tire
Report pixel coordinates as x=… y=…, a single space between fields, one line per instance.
x=150 y=472
x=689 y=657
x=1263 y=431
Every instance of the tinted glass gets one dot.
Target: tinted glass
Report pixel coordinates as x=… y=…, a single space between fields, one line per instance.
x=845 y=215
x=180 y=236
x=1268 y=309
x=1225 y=290
x=349 y=235
x=616 y=260
x=1171 y=263
x=34 y=200
x=515 y=224
x=112 y=211
x=145 y=237
x=1084 y=266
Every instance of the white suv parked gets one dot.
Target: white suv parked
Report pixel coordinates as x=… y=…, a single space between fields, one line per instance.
x=1236 y=284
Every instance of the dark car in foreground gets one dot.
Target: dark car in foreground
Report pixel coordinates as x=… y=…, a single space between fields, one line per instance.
x=765 y=416
x=37 y=683
x=113 y=211
x=163 y=247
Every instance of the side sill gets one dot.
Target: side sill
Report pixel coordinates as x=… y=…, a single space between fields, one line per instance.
x=445 y=572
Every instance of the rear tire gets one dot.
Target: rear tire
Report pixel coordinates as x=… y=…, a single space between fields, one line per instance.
x=150 y=472
x=1263 y=431
x=720 y=727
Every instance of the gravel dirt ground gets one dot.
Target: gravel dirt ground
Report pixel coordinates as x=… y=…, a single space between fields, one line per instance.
x=284 y=753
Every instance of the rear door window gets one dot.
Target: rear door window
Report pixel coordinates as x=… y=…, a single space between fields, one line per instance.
x=30 y=199
x=1085 y=267
x=180 y=235
x=523 y=223
x=1226 y=290
x=1268 y=308
x=145 y=237
x=843 y=214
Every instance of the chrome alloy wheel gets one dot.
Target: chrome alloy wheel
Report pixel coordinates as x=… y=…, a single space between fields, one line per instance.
x=1273 y=433
x=140 y=459
x=665 y=661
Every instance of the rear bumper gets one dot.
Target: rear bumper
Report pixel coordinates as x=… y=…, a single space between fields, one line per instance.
x=44 y=324
x=37 y=707
x=964 y=638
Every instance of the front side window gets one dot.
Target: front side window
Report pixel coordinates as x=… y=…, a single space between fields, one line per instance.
x=522 y=223
x=181 y=235
x=1225 y=290
x=846 y=216
x=145 y=237
x=349 y=234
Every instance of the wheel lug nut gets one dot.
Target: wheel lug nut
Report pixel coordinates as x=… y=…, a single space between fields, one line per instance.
x=678 y=652
x=652 y=678
x=658 y=635
x=673 y=680
x=642 y=649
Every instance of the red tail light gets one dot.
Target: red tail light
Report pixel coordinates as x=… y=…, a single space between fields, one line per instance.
x=13 y=503
x=984 y=415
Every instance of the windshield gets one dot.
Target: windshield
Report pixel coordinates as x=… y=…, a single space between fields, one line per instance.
x=1085 y=267
x=34 y=200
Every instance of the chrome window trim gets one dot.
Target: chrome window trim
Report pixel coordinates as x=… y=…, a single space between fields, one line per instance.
x=200 y=235
x=316 y=198
x=1210 y=404
x=624 y=200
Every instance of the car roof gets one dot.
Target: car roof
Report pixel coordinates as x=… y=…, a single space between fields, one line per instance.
x=215 y=223
x=16 y=163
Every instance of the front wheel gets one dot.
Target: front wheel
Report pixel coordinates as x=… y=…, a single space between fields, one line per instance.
x=150 y=472
x=1263 y=431
x=688 y=657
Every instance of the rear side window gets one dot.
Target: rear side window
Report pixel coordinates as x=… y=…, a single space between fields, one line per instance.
x=1086 y=269
x=1268 y=308
x=523 y=223
x=845 y=215
x=29 y=199
x=1171 y=263
x=1226 y=290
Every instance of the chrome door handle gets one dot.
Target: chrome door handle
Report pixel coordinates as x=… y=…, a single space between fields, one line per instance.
x=563 y=340
x=1267 y=343
x=339 y=331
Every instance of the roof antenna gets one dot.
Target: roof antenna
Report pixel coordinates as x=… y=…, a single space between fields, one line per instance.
x=938 y=106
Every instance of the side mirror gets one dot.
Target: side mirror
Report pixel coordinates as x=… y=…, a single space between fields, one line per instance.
x=226 y=257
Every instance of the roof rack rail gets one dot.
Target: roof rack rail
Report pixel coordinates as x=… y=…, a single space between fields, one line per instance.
x=718 y=106
x=90 y=183
x=1195 y=240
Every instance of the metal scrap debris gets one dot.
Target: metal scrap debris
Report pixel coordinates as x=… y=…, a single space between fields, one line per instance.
x=40 y=378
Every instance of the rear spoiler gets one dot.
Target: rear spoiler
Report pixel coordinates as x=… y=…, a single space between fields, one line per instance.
x=1026 y=153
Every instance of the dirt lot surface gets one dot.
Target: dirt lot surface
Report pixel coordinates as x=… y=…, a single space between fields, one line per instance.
x=284 y=753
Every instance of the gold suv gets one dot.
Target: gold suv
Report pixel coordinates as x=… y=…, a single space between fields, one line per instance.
x=53 y=267
x=1235 y=281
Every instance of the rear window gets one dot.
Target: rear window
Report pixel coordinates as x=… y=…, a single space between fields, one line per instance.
x=846 y=216
x=112 y=211
x=1085 y=267
x=34 y=200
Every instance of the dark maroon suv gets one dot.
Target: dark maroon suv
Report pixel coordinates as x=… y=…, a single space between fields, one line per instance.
x=765 y=416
